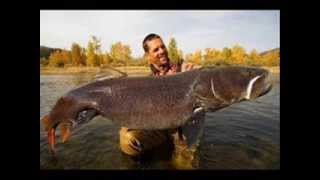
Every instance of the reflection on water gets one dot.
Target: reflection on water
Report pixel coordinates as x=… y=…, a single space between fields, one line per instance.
x=243 y=136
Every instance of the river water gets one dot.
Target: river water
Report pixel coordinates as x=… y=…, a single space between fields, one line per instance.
x=243 y=136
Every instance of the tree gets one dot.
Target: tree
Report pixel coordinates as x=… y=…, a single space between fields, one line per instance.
x=238 y=54
x=76 y=55
x=106 y=59
x=195 y=57
x=126 y=53
x=120 y=53
x=93 y=52
x=56 y=59
x=271 y=59
x=83 y=56
x=91 y=55
x=254 y=58
x=66 y=56
x=207 y=57
x=46 y=51
x=173 y=51
x=211 y=53
x=44 y=61
x=189 y=57
x=226 y=53
x=254 y=55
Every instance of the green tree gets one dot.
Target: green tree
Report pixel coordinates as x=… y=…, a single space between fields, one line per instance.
x=173 y=51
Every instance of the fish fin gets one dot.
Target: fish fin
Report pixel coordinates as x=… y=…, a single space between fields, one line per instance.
x=123 y=74
x=193 y=129
x=102 y=76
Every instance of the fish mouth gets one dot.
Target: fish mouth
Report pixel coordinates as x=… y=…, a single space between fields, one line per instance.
x=52 y=139
x=66 y=126
x=266 y=89
x=268 y=84
x=65 y=132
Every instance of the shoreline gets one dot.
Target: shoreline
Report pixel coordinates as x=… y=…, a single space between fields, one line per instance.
x=136 y=70
x=130 y=70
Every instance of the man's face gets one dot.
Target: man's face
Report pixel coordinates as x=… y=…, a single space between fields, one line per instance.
x=158 y=53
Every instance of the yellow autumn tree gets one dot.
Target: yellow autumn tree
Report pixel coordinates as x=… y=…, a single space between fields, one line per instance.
x=226 y=55
x=271 y=59
x=254 y=58
x=212 y=56
x=59 y=58
x=93 y=52
x=238 y=54
x=76 y=55
x=106 y=59
x=120 y=53
x=195 y=58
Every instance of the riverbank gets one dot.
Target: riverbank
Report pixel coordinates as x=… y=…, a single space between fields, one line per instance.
x=130 y=70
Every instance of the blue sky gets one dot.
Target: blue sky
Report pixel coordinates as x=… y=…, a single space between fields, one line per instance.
x=193 y=30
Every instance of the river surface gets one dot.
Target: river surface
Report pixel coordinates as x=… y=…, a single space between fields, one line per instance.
x=243 y=136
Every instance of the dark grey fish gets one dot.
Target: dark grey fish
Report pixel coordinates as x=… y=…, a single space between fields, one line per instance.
x=156 y=102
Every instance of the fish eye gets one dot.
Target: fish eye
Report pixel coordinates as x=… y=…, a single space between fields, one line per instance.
x=251 y=73
x=248 y=72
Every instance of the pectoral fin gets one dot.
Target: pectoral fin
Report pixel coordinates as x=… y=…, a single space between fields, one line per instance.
x=193 y=129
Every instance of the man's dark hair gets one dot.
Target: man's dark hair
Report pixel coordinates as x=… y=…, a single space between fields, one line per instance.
x=149 y=37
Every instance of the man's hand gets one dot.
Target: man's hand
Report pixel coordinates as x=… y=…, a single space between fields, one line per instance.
x=188 y=67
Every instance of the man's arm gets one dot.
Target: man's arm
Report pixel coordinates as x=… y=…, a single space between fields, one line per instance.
x=182 y=68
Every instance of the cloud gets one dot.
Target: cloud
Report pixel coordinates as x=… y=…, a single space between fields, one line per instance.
x=192 y=29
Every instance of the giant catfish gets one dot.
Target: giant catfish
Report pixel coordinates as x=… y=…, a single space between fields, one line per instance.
x=153 y=103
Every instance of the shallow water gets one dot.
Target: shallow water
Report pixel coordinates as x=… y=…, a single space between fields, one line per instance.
x=243 y=136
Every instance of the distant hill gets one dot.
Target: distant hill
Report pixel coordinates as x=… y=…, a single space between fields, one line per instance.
x=46 y=51
x=275 y=50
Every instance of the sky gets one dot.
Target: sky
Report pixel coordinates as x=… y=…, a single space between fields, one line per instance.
x=193 y=30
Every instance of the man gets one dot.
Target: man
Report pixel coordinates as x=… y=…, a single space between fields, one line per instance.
x=137 y=142
x=157 y=56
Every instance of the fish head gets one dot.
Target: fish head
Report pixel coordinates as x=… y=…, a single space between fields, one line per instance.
x=67 y=115
x=230 y=84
